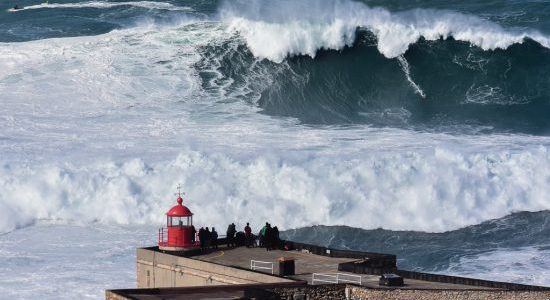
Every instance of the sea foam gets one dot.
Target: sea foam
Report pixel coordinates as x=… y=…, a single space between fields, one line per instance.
x=393 y=190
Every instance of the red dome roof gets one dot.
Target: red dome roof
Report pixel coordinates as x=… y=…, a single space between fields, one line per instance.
x=179 y=210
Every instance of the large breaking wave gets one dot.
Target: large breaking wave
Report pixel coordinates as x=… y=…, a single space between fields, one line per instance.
x=342 y=62
x=276 y=29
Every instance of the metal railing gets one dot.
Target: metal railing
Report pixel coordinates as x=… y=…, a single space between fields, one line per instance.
x=335 y=278
x=163 y=236
x=257 y=264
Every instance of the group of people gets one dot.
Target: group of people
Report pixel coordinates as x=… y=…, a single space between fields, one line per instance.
x=207 y=238
x=269 y=237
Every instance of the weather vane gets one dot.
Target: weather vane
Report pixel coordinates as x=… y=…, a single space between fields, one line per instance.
x=179 y=193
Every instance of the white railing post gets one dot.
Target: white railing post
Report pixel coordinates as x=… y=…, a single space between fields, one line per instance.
x=335 y=278
x=257 y=264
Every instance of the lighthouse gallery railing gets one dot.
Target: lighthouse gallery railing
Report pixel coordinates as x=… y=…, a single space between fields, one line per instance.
x=163 y=236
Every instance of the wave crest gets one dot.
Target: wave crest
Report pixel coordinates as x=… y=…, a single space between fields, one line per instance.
x=276 y=29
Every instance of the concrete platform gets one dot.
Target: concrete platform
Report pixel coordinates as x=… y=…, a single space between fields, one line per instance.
x=226 y=274
x=306 y=264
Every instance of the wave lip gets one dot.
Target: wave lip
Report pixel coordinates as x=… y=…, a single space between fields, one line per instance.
x=276 y=29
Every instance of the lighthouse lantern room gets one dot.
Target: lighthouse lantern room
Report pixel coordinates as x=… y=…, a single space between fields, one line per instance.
x=179 y=233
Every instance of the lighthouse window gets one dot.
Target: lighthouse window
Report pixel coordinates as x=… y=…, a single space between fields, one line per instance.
x=177 y=221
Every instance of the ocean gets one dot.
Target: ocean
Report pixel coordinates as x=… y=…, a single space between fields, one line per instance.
x=419 y=128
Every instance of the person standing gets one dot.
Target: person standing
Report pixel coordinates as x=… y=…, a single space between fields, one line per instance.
x=268 y=237
x=207 y=238
x=262 y=235
x=247 y=235
x=276 y=244
x=193 y=234
x=202 y=238
x=214 y=238
x=230 y=234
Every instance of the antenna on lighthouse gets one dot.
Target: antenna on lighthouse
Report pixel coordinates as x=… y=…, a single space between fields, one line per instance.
x=179 y=190
x=179 y=193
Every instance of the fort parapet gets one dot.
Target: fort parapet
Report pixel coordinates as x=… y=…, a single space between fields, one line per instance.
x=318 y=273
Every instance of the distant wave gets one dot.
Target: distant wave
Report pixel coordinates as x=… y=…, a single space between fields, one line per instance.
x=106 y=4
x=276 y=29
x=514 y=248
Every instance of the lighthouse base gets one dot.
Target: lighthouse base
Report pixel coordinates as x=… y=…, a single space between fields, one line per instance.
x=172 y=248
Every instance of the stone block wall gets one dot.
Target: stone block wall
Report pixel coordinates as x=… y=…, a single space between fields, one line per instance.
x=311 y=292
x=358 y=293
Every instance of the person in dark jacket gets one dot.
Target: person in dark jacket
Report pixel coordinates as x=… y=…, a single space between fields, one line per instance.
x=214 y=238
x=240 y=239
x=193 y=234
x=248 y=235
x=268 y=238
x=207 y=238
x=275 y=236
x=230 y=235
x=202 y=238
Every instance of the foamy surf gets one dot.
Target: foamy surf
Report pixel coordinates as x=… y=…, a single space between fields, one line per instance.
x=415 y=186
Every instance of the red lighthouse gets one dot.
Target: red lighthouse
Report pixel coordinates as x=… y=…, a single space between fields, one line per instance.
x=179 y=231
